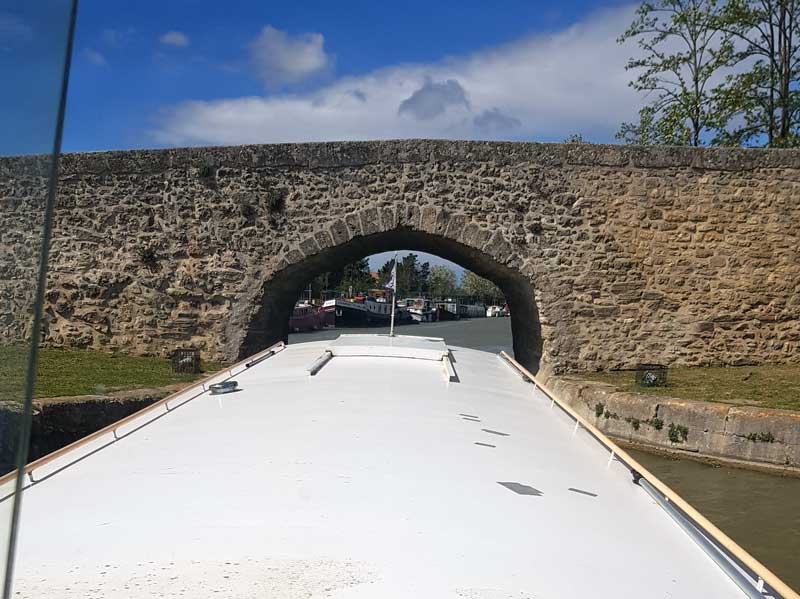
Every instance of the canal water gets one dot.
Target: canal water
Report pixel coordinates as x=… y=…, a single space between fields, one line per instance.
x=759 y=511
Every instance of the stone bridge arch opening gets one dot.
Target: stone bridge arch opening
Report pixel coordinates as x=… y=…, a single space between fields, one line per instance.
x=269 y=320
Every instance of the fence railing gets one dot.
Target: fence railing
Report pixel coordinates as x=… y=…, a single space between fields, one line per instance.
x=760 y=573
x=193 y=391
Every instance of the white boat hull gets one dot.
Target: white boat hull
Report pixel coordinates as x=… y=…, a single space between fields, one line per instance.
x=421 y=316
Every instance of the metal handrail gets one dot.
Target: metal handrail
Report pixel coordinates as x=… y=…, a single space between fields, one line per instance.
x=111 y=428
x=758 y=569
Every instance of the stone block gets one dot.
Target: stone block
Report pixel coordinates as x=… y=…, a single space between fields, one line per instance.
x=697 y=426
x=455 y=225
x=309 y=246
x=388 y=218
x=477 y=237
x=294 y=256
x=338 y=231
x=624 y=415
x=433 y=220
x=370 y=221
x=410 y=215
x=783 y=425
x=353 y=225
x=324 y=239
x=498 y=247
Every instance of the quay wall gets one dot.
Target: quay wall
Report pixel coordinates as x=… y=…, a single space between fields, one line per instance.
x=57 y=422
x=742 y=436
x=610 y=255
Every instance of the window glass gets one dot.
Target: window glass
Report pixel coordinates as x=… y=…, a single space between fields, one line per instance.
x=34 y=46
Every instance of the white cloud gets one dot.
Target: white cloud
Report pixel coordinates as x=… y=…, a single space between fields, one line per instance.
x=174 y=38
x=545 y=86
x=14 y=29
x=433 y=99
x=281 y=59
x=493 y=120
x=95 y=57
x=117 y=38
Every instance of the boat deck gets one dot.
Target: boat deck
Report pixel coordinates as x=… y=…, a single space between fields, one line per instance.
x=373 y=478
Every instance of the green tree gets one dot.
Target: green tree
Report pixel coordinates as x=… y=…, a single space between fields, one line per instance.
x=575 y=138
x=383 y=272
x=762 y=104
x=682 y=52
x=442 y=281
x=481 y=289
x=407 y=274
x=423 y=277
x=318 y=285
x=327 y=281
x=356 y=276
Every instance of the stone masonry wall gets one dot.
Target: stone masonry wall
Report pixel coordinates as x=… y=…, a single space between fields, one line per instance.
x=741 y=435
x=673 y=255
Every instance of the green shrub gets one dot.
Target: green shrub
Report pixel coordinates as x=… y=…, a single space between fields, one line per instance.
x=766 y=437
x=276 y=199
x=634 y=422
x=148 y=257
x=677 y=433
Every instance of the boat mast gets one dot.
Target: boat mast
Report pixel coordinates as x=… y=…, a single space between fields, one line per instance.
x=393 y=286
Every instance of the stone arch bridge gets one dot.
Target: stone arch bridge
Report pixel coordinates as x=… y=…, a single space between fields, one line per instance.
x=609 y=255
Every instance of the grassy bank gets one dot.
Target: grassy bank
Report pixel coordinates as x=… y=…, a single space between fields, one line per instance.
x=762 y=386
x=65 y=372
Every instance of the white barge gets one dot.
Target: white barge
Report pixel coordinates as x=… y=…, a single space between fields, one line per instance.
x=368 y=466
x=420 y=308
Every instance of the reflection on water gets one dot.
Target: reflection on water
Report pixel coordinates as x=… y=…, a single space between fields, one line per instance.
x=759 y=511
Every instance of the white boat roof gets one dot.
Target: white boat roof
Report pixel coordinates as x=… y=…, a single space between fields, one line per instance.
x=376 y=477
x=384 y=346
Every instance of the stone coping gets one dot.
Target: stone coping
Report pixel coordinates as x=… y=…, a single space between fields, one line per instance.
x=361 y=153
x=58 y=421
x=123 y=395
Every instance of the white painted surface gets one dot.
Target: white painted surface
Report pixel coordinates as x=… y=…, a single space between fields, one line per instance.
x=384 y=346
x=363 y=481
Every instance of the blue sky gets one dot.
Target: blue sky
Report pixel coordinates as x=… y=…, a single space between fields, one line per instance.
x=201 y=72
x=32 y=47
x=378 y=260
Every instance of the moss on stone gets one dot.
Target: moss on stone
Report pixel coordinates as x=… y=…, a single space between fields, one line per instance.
x=677 y=433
